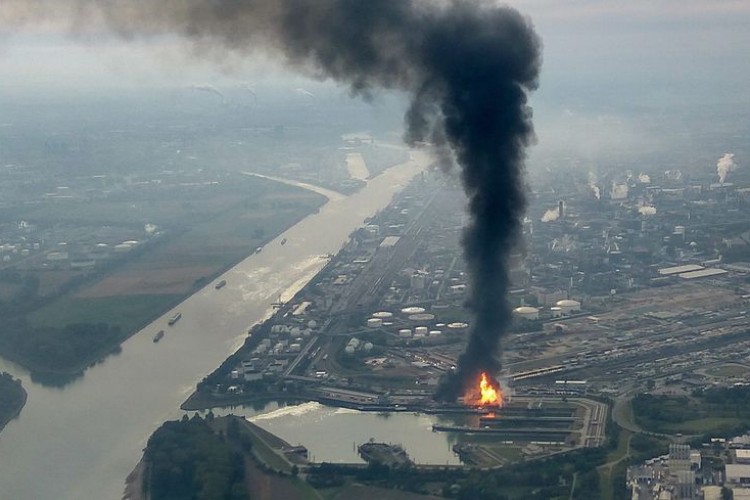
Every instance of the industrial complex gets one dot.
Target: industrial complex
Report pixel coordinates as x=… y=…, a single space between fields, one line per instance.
x=621 y=288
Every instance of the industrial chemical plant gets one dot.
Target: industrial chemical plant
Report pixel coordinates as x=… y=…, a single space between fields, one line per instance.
x=608 y=299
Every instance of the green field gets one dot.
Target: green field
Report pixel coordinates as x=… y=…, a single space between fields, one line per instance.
x=704 y=425
x=717 y=410
x=128 y=312
x=614 y=460
x=730 y=370
x=204 y=231
x=264 y=452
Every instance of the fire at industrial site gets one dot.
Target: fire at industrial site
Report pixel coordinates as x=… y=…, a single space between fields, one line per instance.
x=486 y=392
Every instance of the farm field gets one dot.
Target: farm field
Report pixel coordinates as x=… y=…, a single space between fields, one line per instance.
x=200 y=233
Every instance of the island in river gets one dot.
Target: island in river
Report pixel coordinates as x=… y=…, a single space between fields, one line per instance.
x=12 y=398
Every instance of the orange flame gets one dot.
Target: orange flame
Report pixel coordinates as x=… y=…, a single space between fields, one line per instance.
x=488 y=394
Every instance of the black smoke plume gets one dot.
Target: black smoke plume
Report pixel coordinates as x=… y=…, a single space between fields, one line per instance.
x=467 y=65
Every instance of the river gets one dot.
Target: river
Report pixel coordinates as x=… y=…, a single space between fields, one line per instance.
x=331 y=434
x=81 y=441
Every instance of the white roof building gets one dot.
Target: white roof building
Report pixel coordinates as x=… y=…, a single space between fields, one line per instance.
x=738 y=474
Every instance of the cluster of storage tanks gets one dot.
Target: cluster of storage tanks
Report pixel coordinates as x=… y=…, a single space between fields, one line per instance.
x=413 y=315
x=564 y=307
x=355 y=345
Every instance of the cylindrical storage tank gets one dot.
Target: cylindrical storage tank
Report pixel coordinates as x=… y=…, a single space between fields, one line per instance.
x=556 y=311
x=421 y=331
x=435 y=333
x=374 y=323
x=421 y=317
x=458 y=326
x=382 y=315
x=526 y=312
x=568 y=306
x=349 y=350
x=412 y=310
x=404 y=332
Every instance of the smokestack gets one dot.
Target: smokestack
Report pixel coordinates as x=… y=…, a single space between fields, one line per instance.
x=467 y=65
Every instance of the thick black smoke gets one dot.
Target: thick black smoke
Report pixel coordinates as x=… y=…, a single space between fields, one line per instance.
x=467 y=66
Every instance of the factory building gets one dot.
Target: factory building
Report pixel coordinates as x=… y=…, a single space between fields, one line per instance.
x=738 y=474
x=742 y=456
x=679 y=458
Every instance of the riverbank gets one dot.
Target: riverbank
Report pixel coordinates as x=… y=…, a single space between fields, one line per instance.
x=12 y=399
x=140 y=289
x=81 y=456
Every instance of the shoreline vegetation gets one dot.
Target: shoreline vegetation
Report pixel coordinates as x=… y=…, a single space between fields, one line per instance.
x=12 y=398
x=82 y=344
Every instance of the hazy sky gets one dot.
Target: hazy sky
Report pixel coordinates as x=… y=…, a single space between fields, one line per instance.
x=602 y=59
x=658 y=42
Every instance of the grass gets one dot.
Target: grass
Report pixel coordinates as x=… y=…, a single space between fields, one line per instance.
x=691 y=415
x=614 y=459
x=128 y=312
x=704 y=425
x=206 y=232
x=509 y=453
x=264 y=452
x=730 y=370
x=306 y=491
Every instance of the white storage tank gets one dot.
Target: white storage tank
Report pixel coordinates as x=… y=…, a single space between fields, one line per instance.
x=374 y=323
x=458 y=326
x=383 y=315
x=413 y=310
x=404 y=333
x=422 y=317
x=349 y=350
x=435 y=333
x=568 y=306
x=556 y=311
x=421 y=331
x=526 y=313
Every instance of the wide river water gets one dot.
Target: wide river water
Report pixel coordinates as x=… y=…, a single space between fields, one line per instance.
x=81 y=441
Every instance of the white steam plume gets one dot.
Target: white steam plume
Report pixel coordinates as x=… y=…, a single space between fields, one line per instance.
x=592 y=185
x=725 y=165
x=551 y=215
